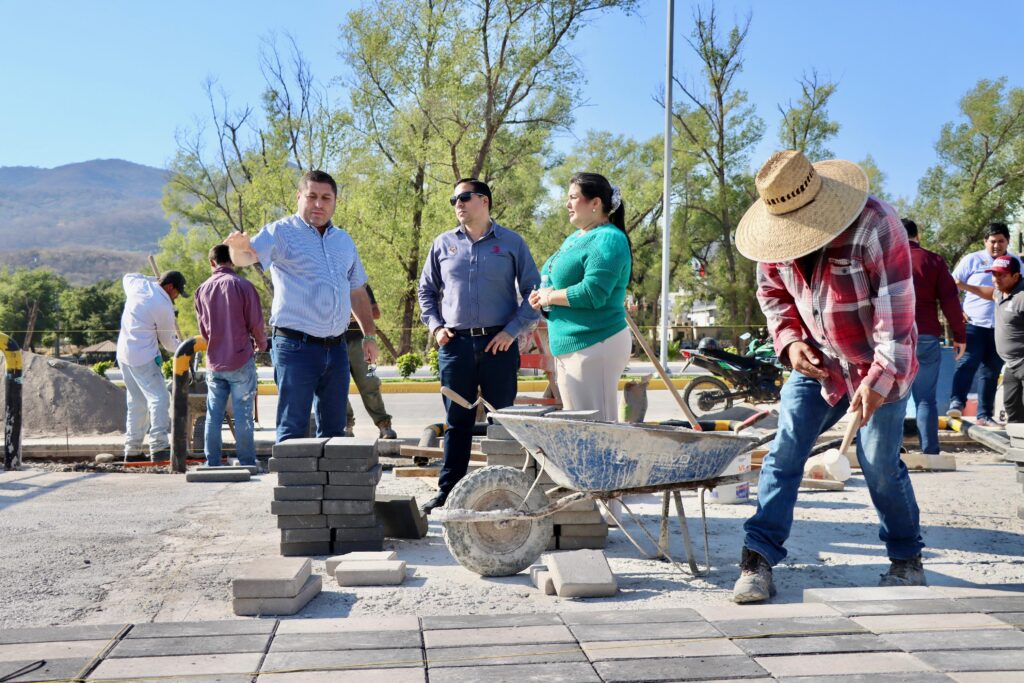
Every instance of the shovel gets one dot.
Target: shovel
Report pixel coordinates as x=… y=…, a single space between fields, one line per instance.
x=456 y=398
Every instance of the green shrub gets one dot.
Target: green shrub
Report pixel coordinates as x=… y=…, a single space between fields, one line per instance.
x=102 y=367
x=673 y=350
x=434 y=363
x=408 y=364
x=168 y=368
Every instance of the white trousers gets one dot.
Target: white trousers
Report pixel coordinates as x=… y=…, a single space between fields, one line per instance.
x=588 y=379
x=149 y=405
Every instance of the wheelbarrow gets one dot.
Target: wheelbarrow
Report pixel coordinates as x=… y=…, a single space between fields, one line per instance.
x=497 y=522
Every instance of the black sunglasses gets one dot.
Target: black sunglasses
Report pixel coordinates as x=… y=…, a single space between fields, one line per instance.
x=463 y=197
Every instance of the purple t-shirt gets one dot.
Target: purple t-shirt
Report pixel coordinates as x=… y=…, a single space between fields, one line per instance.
x=230 y=319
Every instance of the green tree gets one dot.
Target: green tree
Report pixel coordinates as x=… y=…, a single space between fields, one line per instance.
x=28 y=304
x=805 y=125
x=979 y=177
x=92 y=313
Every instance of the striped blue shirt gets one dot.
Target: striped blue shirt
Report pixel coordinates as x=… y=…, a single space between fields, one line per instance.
x=478 y=284
x=313 y=276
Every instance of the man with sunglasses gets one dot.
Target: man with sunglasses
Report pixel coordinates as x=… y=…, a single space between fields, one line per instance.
x=474 y=293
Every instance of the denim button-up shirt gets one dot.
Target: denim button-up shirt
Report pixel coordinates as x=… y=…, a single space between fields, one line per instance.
x=478 y=284
x=313 y=275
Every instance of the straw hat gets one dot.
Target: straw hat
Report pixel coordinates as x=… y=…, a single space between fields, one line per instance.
x=802 y=207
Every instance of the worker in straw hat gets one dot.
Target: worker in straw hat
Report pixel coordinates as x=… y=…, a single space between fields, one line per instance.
x=835 y=283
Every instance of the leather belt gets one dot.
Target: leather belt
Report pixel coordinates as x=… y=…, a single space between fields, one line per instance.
x=308 y=338
x=480 y=331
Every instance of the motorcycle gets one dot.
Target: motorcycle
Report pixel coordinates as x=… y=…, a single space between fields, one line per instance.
x=756 y=377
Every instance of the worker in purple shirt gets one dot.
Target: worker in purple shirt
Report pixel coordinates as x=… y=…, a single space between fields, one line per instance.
x=474 y=293
x=231 y=320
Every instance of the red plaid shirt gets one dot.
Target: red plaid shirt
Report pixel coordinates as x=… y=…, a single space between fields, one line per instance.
x=858 y=309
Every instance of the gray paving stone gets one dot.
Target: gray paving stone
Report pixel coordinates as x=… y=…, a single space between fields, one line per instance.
x=963 y=639
x=394 y=658
x=343 y=547
x=798 y=626
x=348 y=465
x=256 y=607
x=581 y=543
x=333 y=562
x=349 y=640
x=301 y=478
x=190 y=667
x=1015 y=619
x=400 y=516
x=351 y=521
x=302 y=521
x=491 y=447
x=581 y=574
x=370 y=573
x=588 y=633
x=496 y=431
x=856 y=642
x=349 y=492
x=300 y=448
x=294 y=464
x=579 y=517
x=839 y=664
x=923 y=622
x=1000 y=604
x=42 y=670
x=360 y=675
x=560 y=672
x=305 y=535
x=537 y=411
x=295 y=507
x=357 y=447
x=305 y=548
x=977 y=660
x=224 y=627
x=298 y=492
x=517 y=461
x=365 y=533
x=189 y=645
x=497 y=655
x=659 y=649
x=432 y=623
x=783 y=610
x=677 y=669
x=628 y=616
x=57 y=634
x=66 y=649
x=217 y=475
x=348 y=507
x=369 y=478
x=902 y=677
x=857 y=608
x=271 y=577
x=580 y=415
x=515 y=635
x=870 y=593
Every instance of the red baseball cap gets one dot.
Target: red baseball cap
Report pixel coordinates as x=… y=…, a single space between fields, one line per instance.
x=1005 y=264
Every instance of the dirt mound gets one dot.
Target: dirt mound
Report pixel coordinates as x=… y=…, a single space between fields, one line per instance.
x=57 y=394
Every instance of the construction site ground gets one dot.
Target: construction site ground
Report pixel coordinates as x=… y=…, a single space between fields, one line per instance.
x=90 y=548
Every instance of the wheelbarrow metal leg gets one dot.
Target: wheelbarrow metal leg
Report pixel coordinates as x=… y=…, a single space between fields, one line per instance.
x=687 y=543
x=663 y=538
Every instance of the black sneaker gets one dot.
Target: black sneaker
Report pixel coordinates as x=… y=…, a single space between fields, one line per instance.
x=437 y=501
x=162 y=455
x=136 y=457
x=904 y=573
x=755 y=583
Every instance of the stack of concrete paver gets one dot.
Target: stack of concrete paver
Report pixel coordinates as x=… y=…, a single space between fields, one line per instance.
x=324 y=500
x=578 y=574
x=576 y=527
x=1016 y=456
x=274 y=585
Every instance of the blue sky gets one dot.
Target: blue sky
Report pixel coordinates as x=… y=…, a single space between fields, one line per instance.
x=115 y=79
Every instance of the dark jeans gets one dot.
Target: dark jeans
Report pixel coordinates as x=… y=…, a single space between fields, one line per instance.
x=929 y=358
x=310 y=376
x=980 y=357
x=1013 y=393
x=464 y=368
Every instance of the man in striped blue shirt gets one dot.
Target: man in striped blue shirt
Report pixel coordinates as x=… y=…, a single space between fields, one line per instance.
x=319 y=282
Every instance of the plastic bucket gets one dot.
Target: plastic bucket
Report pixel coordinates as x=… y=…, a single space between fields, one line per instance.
x=731 y=494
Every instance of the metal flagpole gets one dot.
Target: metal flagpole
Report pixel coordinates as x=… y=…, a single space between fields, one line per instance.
x=667 y=190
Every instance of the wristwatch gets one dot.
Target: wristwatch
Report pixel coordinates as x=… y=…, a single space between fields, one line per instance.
x=369 y=337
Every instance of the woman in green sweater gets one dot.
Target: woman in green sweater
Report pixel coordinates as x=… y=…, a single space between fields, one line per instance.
x=584 y=300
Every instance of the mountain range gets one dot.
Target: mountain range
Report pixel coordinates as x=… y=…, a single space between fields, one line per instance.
x=86 y=221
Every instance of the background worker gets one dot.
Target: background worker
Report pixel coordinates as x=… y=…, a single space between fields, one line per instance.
x=366 y=380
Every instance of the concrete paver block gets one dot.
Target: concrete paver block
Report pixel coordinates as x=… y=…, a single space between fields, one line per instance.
x=793 y=626
x=630 y=616
x=355 y=674
x=305 y=548
x=348 y=507
x=496 y=431
x=870 y=593
x=370 y=477
x=350 y=640
x=714 y=613
x=498 y=655
x=541 y=579
x=811 y=645
x=305 y=535
x=581 y=542
x=251 y=607
x=295 y=507
x=358 y=447
x=298 y=492
x=598 y=528
x=405 y=622
x=223 y=627
x=370 y=573
x=959 y=592
x=581 y=415
x=842 y=664
x=519 y=635
x=978 y=660
x=496 y=621
x=293 y=464
x=300 y=448
x=653 y=649
x=557 y=672
x=251 y=469
x=579 y=517
x=186 y=666
x=1005 y=603
x=863 y=608
x=217 y=475
x=360 y=660
x=351 y=521
x=47 y=668
x=301 y=478
x=382 y=555
x=348 y=464
x=67 y=649
x=56 y=634
x=271 y=577
x=491 y=447
x=1015 y=619
x=582 y=574
x=681 y=630
x=301 y=521
x=517 y=461
x=537 y=411
x=344 y=547
x=366 y=533
x=696 y=668
x=965 y=639
x=171 y=646
x=349 y=492
x=400 y=516
x=910 y=622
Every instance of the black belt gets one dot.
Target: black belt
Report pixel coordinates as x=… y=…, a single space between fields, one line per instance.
x=308 y=338
x=480 y=331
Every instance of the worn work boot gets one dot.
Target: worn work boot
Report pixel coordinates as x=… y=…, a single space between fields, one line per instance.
x=386 y=432
x=956 y=410
x=437 y=501
x=755 y=583
x=904 y=573
x=161 y=455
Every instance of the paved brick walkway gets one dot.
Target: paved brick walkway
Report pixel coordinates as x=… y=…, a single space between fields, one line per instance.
x=918 y=635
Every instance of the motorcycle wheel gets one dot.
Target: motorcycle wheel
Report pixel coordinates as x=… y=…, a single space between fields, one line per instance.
x=707 y=395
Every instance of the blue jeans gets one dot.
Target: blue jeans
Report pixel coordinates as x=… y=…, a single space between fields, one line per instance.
x=240 y=384
x=310 y=376
x=149 y=404
x=929 y=357
x=803 y=416
x=464 y=367
x=980 y=357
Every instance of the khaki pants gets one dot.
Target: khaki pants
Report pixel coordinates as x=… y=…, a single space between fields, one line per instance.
x=369 y=387
x=588 y=379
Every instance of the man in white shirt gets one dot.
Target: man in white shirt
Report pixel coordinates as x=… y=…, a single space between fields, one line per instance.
x=148 y=320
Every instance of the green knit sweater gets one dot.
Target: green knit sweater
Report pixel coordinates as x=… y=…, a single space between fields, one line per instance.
x=593 y=267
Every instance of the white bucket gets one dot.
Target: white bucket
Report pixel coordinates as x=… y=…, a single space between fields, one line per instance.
x=731 y=494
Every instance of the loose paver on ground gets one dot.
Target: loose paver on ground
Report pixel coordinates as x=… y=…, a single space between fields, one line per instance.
x=581 y=574
x=382 y=555
x=255 y=607
x=217 y=475
x=271 y=577
x=370 y=573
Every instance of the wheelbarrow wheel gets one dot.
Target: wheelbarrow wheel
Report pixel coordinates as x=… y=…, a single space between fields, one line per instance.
x=497 y=548
x=707 y=395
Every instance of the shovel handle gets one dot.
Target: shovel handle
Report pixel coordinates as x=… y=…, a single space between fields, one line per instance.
x=851 y=430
